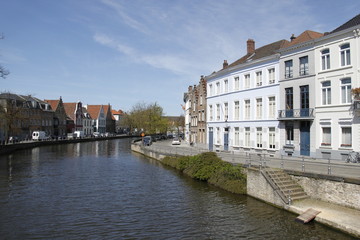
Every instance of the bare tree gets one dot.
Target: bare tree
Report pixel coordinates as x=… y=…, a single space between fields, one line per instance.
x=3 y=72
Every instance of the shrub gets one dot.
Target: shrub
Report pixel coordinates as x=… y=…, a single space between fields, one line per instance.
x=208 y=167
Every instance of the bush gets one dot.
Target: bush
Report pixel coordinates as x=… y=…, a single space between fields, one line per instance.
x=208 y=167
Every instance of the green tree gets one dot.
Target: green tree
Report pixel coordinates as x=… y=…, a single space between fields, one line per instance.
x=146 y=117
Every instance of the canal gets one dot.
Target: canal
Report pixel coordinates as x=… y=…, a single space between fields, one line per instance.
x=101 y=190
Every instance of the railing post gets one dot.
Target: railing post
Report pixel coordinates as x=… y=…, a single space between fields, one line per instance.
x=303 y=164
x=289 y=197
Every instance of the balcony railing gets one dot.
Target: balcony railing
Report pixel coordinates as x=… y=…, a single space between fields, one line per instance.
x=304 y=113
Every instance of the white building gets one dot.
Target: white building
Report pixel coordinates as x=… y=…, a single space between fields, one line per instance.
x=242 y=102
x=337 y=64
x=187 y=115
x=297 y=96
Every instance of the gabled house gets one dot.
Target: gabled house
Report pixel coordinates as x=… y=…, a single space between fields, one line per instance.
x=195 y=113
x=59 y=121
x=109 y=119
x=98 y=117
x=242 y=102
x=87 y=123
x=74 y=116
x=119 y=120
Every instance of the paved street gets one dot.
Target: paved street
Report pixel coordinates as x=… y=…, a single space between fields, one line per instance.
x=308 y=165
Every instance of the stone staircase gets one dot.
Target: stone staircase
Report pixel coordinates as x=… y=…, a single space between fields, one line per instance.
x=284 y=185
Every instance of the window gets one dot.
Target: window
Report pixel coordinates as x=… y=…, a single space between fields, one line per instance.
x=218 y=135
x=237 y=110
x=201 y=99
x=258 y=78
x=346 y=136
x=345 y=54
x=236 y=83
x=289 y=128
x=346 y=90
x=210 y=90
x=271 y=75
x=259 y=137
x=247 y=81
x=326 y=136
x=226 y=86
x=217 y=112
x=217 y=88
x=272 y=107
x=210 y=112
x=304 y=101
x=247 y=137
x=289 y=101
x=259 y=108
x=247 y=109
x=272 y=138
x=226 y=108
x=326 y=93
x=237 y=137
x=304 y=66
x=289 y=69
x=325 y=59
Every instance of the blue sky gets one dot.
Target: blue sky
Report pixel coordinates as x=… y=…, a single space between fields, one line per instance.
x=124 y=52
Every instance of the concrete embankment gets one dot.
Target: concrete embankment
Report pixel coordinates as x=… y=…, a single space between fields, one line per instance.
x=9 y=148
x=338 y=201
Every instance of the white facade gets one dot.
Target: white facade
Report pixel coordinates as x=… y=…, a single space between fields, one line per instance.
x=337 y=63
x=187 y=115
x=242 y=105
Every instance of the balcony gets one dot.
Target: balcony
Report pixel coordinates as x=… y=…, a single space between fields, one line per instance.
x=296 y=114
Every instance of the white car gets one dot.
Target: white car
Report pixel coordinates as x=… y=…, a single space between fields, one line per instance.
x=176 y=141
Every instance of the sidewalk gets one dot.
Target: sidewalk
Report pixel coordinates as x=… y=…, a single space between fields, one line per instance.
x=333 y=215
x=333 y=168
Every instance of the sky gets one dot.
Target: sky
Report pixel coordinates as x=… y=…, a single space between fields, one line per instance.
x=126 y=52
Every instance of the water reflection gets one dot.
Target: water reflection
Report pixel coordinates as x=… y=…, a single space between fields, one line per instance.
x=100 y=190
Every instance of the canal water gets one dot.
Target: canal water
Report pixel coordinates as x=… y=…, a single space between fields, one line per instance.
x=101 y=190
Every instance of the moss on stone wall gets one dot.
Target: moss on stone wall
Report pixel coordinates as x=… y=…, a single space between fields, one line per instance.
x=208 y=167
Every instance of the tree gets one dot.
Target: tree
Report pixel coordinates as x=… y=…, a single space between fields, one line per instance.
x=3 y=71
x=146 y=117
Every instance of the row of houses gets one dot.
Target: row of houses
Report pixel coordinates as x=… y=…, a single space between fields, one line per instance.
x=21 y=115
x=293 y=98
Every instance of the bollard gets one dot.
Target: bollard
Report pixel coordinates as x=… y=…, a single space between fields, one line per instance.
x=282 y=162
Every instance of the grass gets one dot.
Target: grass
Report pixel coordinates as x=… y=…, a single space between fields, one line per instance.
x=208 y=167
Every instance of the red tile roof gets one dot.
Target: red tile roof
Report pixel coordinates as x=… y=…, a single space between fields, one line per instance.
x=260 y=52
x=70 y=109
x=307 y=35
x=94 y=110
x=53 y=103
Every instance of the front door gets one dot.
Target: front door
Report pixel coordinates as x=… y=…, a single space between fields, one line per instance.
x=226 y=139
x=211 y=139
x=305 y=138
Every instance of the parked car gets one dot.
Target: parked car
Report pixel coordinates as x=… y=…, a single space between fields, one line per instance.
x=176 y=141
x=147 y=141
x=96 y=134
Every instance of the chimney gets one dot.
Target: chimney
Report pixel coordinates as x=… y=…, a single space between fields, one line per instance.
x=292 y=38
x=225 y=64
x=250 y=46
